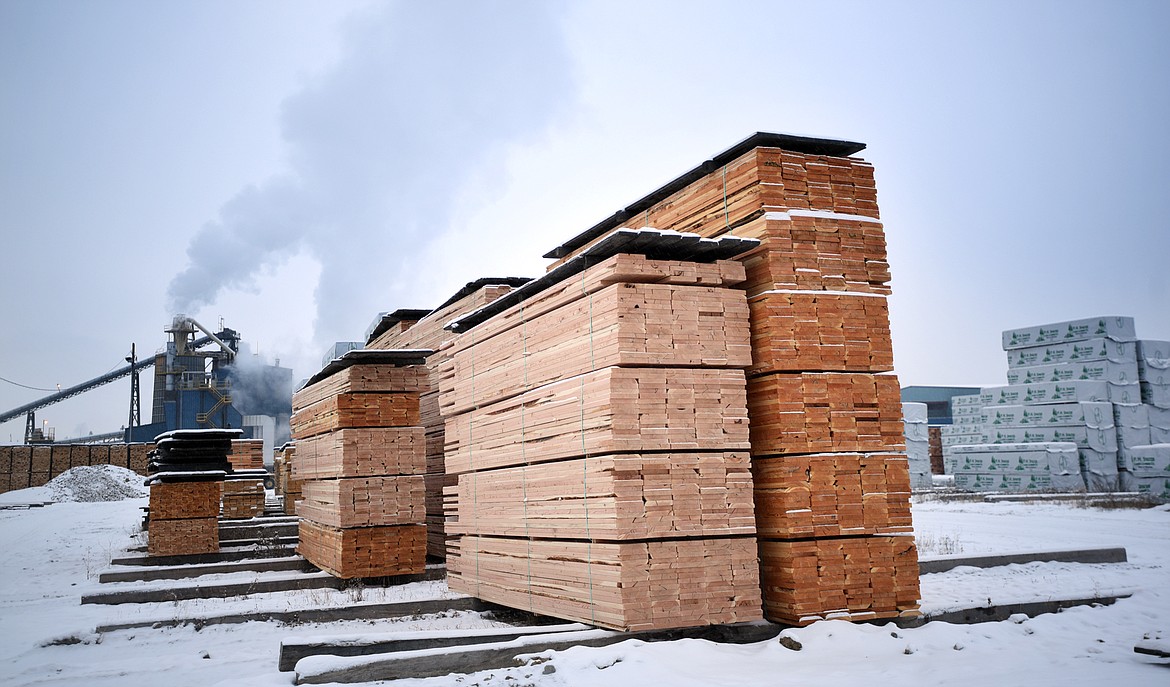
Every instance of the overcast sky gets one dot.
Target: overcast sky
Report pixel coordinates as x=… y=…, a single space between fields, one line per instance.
x=294 y=167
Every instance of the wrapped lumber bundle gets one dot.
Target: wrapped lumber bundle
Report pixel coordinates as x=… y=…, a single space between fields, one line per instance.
x=597 y=424
x=423 y=329
x=359 y=461
x=821 y=349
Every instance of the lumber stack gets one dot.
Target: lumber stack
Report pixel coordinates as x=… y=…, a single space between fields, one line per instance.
x=423 y=329
x=242 y=498
x=287 y=486
x=184 y=518
x=598 y=431
x=247 y=454
x=359 y=459
x=826 y=425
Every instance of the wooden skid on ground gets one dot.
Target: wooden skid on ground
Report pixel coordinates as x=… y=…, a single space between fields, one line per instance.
x=623 y=586
x=609 y=498
x=832 y=494
x=360 y=452
x=364 y=501
x=364 y=551
x=622 y=324
x=858 y=578
x=824 y=412
x=607 y=411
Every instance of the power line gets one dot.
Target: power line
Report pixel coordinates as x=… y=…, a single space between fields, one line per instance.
x=24 y=386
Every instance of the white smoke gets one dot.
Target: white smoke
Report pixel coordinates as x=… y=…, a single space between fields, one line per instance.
x=425 y=98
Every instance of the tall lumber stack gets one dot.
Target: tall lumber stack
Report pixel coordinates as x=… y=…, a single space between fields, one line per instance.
x=831 y=477
x=423 y=329
x=359 y=454
x=597 y=425
x=188 y=468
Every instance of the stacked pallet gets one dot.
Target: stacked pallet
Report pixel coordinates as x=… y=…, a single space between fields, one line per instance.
x=184 y=518
x=819 y=383
x=247 y=454
x=423 y=329
x=359 y=457
x=597 y=428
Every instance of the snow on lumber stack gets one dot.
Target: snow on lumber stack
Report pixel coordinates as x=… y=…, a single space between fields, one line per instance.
x=359 y=458
x=424 y=329
x=597 y=425
x=817 y=287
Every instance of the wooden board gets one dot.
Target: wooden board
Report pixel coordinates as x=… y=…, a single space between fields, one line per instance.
x=810 y=331
x=182 y=537
x=607 y=411
x=360 y=452
x=824 y=412
x=856 y=578
x=364 y=501
x=355 y=409
x=184 y=500
x=622 y=324
x=362 y=378
x=624 y=586
x=609 y=498
x=832 y=494
x=364 y=551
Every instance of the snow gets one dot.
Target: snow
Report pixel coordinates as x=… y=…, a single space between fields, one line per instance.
x=55 y=553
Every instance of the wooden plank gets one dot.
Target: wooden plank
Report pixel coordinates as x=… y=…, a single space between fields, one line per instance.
x=364 y=551
x=855 y=578
x=824 y=412
x=360 y=452
x=607 y=411
x=609 y=498
x=624 y=586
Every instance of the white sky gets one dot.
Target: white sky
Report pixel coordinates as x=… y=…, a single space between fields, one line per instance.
x=296 y=167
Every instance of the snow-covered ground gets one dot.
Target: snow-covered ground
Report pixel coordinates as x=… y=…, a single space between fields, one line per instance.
x=53 y=555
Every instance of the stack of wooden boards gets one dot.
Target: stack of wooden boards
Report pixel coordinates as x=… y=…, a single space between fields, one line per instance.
x=247 y=454
x=25 y=466
x=598 y=431
x=243 y=497
x=423 y=329
x=184 y=518
x=287 y=487
x=360 y=457
x=831 y=479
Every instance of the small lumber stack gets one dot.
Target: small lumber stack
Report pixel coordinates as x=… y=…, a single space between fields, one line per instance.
x=247 y=454
x=359 y=454
x=287 y=486
x=596 y=420
x=243 y=496
x=832 y=482
x=424 y=329
x=188 y=469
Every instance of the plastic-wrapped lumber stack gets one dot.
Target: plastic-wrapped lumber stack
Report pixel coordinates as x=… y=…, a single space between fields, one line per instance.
x=359 y=452
x=188 y=468
x=1145 y=468
x=423 y=329
x=917 y=433
x=966 y=428
x=819 y=398
x=596 y=419
x=1067 y=382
